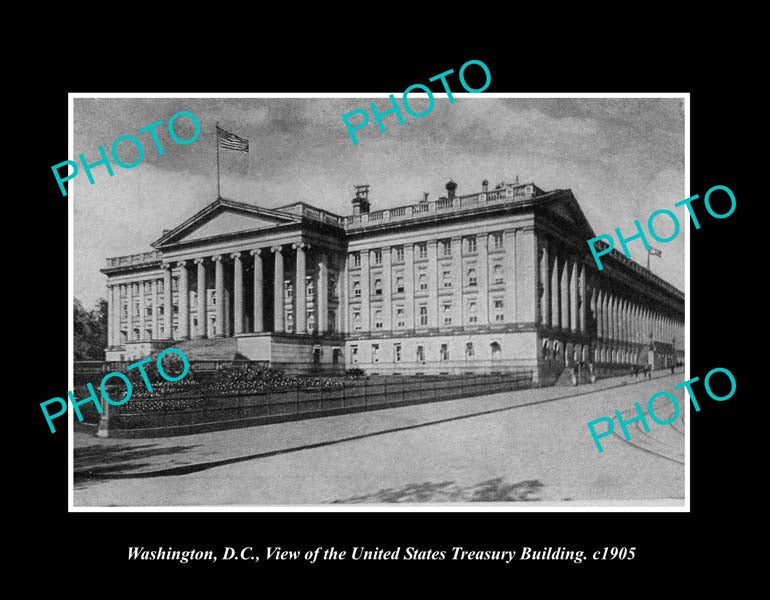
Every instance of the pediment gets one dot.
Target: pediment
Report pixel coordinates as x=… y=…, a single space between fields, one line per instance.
x=224 y=218
x=566 y=208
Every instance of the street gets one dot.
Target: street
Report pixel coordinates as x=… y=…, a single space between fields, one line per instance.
x=529 y=445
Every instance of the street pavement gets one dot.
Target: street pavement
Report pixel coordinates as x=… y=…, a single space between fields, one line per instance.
x=520 y=446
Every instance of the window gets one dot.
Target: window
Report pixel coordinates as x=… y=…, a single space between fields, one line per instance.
x=499 y=316
x=400 y=316
x=497 y=352
x=497 y=273
x=396 y=352
x=378 y=257
x=161 y=310
x=473 y=317
x=446 y=247
x=378 y=319
x=471 y=243
x=310 y=318
x=469 y=351
x=124 y=310
x=378 y=287
x=148 y=311
x=331 y=317
x=423 y=280
x=447 y=306
x=175 y=284
x=399 y=253
x=136 y=310
x=375 y=353
x=446 y=278
x=420 y=353
x=399 y=284
x=423 y=315
x=354 y=354
x=357 y=320
x=309 y=288
x=356 y=288
x=472 y=277
x=356 y=259
x=289 y=289
x=422 y=250
x=332 y=289
x=161 y=286
x=497 y=241
x=444 y=352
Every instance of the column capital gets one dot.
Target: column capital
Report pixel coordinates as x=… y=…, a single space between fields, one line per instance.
x=301 y=246
x=199 y=261
x=167 y=265
x=235 y=255
x=181 y=263
x=275 y=249
x=255 y=252
x=217 y=258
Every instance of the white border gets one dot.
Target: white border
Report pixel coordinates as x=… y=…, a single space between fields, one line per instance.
x=603 y=506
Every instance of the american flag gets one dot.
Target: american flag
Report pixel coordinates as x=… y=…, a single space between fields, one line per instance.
x=230 y=141
x=655 y=251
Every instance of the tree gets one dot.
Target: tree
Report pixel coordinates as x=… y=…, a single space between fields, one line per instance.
x=90 y=330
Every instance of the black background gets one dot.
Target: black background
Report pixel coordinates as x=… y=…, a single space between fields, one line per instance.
x=91 y=549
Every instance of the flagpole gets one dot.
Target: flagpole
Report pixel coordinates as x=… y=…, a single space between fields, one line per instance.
x=648 y=252
x=218 y=194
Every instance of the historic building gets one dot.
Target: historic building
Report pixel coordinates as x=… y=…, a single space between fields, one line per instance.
x=497 y=280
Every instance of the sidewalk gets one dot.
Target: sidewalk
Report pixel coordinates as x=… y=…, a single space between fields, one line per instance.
x=97 y=458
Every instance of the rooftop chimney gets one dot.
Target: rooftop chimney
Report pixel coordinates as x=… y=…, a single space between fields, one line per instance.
x=424 y=197
x=451 y=186
x=484 y=186
x=361 y=201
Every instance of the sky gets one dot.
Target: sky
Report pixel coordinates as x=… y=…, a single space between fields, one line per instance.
x=623 y=158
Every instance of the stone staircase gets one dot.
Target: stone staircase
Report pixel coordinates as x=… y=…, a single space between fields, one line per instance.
x=210 y=349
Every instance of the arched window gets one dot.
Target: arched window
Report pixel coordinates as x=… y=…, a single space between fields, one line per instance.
x=546 y=353
x=469 y=351
x=556 y=349
x=497 y=352
x=497 y=274
x=423 y=281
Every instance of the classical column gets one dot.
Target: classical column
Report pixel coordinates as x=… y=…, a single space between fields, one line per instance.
x=110 y=315
x=545 y=281
x=583 y=299
x=155 y=308
x=322 y=296
x=555 y=293
x=278 y=308
x=238 y=292
x=184 y=301
x=457 y=282
x=600 y=314
x=343 y=314
x=140 y=325
x=258 y=301
x=573 y=294
x=366 y=318
x=219 y=295
x=201 y=331
x=300 y=289
x=509 y=276
x=409 y=286
x=565 y=298
x=387 y=288
x=482 y=276
x=432 y=284
x=130 y=313
x=167 y=303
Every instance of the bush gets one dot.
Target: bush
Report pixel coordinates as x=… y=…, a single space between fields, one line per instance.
x=355 y=372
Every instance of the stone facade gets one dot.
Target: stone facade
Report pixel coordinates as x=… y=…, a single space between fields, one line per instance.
x=494 y=281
